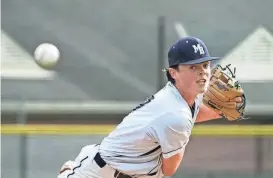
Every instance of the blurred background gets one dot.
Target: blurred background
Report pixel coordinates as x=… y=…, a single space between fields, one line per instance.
x=112 y=53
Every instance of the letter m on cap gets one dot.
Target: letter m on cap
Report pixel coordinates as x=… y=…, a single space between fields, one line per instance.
x=198 y=48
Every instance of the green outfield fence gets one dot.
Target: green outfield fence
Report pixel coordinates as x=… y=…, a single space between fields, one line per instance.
x=50 y=135
x=33 y=144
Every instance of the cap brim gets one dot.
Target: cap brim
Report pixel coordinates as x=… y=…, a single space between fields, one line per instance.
x=201 y=60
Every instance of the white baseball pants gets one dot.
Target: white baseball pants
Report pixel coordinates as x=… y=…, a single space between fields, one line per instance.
x=85 y=166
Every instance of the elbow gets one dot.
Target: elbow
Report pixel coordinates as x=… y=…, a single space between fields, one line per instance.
x=170 y=169
x=170 y=165
x=169 y=172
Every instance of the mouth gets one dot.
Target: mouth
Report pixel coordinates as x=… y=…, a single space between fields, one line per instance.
x=201 y=81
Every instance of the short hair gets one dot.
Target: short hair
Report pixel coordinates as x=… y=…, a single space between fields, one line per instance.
x=169 y=77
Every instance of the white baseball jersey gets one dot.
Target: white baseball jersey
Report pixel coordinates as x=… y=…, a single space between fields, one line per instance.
x=161 y=126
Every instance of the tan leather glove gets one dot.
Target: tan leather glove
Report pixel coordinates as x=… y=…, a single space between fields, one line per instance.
x=223 y=89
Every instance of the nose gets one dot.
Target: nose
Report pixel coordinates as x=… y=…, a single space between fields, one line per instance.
x=202 y=71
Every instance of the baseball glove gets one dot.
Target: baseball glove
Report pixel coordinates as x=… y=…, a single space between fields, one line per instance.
x=222 y=91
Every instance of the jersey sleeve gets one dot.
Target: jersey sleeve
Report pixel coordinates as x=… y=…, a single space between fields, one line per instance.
x=172 y=132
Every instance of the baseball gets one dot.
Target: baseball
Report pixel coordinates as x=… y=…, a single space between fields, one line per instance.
x=47 y=55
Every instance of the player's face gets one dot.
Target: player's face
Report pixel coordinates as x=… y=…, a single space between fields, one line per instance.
x=194 y=77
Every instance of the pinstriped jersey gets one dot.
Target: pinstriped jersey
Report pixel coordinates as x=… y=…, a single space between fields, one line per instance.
x=159 y=127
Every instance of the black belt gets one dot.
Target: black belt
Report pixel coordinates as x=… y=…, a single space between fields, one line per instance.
x=101 y=163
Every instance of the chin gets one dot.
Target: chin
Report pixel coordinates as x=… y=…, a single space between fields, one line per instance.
x=202 y=90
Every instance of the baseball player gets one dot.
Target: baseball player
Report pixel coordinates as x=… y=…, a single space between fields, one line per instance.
x=150 y=141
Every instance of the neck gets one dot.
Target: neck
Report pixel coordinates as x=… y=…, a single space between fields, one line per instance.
x=188 y=97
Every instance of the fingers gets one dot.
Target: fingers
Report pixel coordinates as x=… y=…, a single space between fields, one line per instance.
x=67 y=166
x=64 y=169
x=237 y=99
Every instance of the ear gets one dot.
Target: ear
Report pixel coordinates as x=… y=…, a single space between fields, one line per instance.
x=172 y=73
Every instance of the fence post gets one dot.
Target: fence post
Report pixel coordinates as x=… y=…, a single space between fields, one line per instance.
x=161 y=48
x=22 y=120
x=259 y=156
x=259 y=144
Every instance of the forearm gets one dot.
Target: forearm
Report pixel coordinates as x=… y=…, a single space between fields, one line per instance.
x=206 y=114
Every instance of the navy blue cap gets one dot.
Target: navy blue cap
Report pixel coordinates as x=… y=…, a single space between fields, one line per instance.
x=189 y=50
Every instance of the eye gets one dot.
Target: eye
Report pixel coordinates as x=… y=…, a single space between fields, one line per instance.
x=206 y=65
x=192 y=67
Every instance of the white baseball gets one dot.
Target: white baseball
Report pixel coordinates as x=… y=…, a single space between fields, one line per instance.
x=47 y=55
